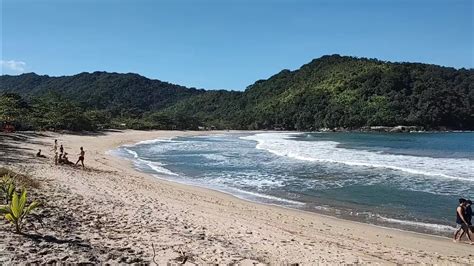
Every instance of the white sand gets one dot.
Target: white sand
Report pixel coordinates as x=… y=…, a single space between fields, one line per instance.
x=112 y=213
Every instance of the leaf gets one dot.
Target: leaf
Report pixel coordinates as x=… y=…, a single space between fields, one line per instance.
x=10 y=218
x=15 y=205
x=11 y=188
x=21 y=205
x=4 y=209
x=32 y=206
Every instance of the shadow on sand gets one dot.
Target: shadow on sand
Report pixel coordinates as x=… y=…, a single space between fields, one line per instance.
x=92 y=133
x=13 y=150
x=52 y=239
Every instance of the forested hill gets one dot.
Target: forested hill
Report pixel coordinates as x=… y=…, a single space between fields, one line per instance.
x=329 y=92
x=101 y=90
x=338 y=91
x=89 y=101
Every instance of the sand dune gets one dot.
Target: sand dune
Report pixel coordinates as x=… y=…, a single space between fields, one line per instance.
x=111 y=213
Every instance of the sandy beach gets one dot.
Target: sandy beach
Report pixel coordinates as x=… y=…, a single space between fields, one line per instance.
x=111 y=213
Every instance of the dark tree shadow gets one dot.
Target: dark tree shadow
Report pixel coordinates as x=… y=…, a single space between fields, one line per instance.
x=13 y=150
x=92 y=133
x=52 y=239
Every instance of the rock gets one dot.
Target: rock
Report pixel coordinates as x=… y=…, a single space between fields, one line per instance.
x=380 y=128
x=404 y=129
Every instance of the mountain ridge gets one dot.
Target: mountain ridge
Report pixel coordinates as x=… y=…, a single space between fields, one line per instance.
x=332 y=91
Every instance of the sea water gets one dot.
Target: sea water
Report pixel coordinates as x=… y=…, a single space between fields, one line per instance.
x=404 y=180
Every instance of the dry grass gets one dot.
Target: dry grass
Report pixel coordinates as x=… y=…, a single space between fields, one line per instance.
x=21 y=180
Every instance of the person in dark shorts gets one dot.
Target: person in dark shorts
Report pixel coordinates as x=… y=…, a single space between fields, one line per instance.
x=462 y=224
x=81 y=157
x=61 y=149
x=468 y=212
x=468 y=217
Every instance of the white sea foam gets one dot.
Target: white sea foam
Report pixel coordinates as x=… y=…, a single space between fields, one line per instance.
x=152 y=141
x=328 y=152
x=133 y=153
x=434 y=227
x=259 y=197
x=156 y=166
x=248 y=179
x=215 y=157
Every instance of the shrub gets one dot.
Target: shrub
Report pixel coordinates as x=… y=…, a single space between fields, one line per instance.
x=7 y=187
x=20 y=180
x=17 y=211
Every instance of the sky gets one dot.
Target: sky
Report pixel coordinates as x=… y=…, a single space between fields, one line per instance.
x=219 y=44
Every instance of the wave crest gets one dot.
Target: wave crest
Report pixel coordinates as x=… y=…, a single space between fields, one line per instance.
x=282 y=144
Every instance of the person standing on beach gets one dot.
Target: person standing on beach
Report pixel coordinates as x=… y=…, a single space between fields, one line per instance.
x=81 y=157
x=468 y=212
x=55 y=147
x=468 y=217
x=461 y=221
x=61 y=149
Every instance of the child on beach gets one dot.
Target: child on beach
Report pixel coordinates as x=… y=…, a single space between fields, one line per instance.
x=55 y=147
x=38 y=154
x=60 y=158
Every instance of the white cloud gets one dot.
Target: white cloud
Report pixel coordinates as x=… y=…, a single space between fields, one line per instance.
x=13 y=66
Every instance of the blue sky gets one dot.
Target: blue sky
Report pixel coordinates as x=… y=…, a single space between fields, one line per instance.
x=216 y=44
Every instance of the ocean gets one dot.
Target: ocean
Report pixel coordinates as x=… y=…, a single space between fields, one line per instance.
x=410 y=181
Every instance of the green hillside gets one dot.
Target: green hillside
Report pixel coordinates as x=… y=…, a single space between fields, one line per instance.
x=87 y=100
x=329 y=92
x=335 y=91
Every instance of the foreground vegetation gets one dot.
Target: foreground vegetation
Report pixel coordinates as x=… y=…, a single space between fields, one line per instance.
x=16 y=210
x=329 y=92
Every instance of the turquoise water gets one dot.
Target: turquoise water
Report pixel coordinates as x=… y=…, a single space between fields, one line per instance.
x=408 y=180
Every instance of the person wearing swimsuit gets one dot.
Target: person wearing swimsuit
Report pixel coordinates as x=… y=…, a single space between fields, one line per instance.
x=81 y=157
x=468 y=218
x=462 y=224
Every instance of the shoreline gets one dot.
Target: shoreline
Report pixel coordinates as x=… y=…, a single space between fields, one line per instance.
x=213 y=226
x=403 y=227
x=229 y=194
x=419 y=227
